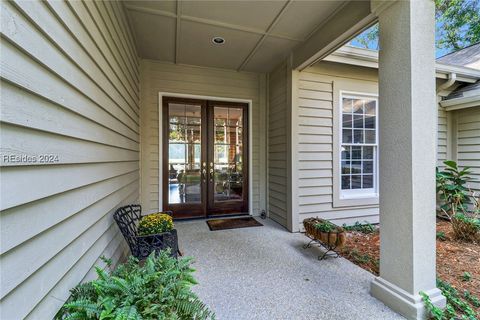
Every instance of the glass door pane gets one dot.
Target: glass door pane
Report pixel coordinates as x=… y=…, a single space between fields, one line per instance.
x=228 y=154
x=184 y=153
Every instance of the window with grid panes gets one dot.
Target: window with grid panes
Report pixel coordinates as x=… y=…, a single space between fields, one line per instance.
x=358 y=167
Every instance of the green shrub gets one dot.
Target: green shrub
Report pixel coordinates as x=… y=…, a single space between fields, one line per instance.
x=441 y=236
x=466 y=276
x=325 y=226
x=451 y=187
x=363 y=228
x=160 y=288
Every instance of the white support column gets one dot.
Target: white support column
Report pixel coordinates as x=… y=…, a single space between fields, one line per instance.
x=408 y=120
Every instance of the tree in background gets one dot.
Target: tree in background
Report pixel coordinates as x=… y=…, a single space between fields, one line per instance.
x=458 y=26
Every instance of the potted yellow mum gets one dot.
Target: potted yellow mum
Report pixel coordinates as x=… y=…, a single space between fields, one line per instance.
x=155 y=223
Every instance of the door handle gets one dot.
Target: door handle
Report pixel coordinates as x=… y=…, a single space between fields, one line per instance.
x=204 y=173
x=211 y=174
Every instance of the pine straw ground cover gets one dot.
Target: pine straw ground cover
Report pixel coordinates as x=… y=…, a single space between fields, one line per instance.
x=458 y=263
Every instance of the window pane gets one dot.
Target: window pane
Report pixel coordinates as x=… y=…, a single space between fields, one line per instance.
x=367 y=181
x=358 y=136
x=356 y=152
x=356 y=181
x=345 y=182
x=347 y=136
x=347 y=120
x=369 y=122
x=370 y=136
x=193 y=114
x=367 y=152
x=346 y=152
x=345 y=167
x=358 y=121
x=370 y=107
x=235 y=116
x=347 y=105
x=367 y=166
x=356 y=166
x=358 y=106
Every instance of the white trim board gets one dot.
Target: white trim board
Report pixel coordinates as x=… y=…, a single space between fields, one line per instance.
x=201 y=97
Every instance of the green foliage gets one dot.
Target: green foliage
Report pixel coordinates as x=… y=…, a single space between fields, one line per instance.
x=472 y=299
x=363 y=228
x=466 y=276
x=458 y=307
x=160 y=288
x=441 y=236
x=458 y=23
x=451 y=187
x=325 y=226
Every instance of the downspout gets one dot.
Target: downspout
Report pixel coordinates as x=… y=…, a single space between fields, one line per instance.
x=452 y=77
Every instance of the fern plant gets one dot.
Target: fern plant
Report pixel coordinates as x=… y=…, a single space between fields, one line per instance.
x=158 y=289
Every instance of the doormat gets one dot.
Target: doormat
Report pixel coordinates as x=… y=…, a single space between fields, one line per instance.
x=224 y=224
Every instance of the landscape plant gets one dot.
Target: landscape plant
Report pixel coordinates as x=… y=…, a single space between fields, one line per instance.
x=452 y=187
x=458 y=306
x=155 y=223
x=325 y=226
x=459 y=204
x=159 y=288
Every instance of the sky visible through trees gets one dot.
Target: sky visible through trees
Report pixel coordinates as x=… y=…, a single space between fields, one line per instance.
x=457 y=27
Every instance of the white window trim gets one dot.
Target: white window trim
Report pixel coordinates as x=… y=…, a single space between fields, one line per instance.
x=357 y=197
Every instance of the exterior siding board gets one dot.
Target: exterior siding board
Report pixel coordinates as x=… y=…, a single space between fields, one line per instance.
x=63 y=94
x=468 y=142
x=277 y=146
x=315 y=131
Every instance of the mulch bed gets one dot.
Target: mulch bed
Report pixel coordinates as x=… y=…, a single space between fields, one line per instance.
x=453 y=257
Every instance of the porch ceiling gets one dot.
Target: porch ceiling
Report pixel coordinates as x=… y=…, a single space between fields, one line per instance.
x=258 y=34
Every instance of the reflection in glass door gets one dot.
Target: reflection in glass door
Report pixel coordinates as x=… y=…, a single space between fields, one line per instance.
x=228 y=185
x=204 y=160
x=184 y=128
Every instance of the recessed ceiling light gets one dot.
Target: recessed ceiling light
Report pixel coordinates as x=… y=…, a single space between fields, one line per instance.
x=218 y=40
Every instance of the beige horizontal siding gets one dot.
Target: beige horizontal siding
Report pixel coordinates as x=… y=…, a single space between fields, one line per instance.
x=442 y=136
x=468 y=142
x=181 y=79
x=69 y=88
x=314 y=168
x=277 y=146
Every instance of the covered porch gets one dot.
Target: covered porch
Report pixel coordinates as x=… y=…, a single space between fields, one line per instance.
x=264 y=273
x=84 y=81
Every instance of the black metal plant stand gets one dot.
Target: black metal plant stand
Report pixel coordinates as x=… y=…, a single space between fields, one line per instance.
x=330 y=250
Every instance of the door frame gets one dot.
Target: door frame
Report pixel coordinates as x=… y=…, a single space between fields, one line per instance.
x=161 y=95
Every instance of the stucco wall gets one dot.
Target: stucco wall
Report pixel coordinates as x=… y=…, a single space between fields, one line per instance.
x=69 y=88
x=159 y=77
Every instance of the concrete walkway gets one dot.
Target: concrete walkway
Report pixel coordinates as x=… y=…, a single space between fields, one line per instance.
x=264 y=273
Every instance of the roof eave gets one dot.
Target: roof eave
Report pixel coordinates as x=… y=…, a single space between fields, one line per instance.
x=369 y=58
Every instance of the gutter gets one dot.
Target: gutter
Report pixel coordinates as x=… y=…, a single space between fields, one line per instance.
x=452 y=77
x=461 y=103
x=369 y=58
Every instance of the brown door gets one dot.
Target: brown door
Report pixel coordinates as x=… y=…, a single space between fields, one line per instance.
x=205 y=158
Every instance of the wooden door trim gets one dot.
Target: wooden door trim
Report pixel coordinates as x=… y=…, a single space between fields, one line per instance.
x=183 y=211
x=234 y=204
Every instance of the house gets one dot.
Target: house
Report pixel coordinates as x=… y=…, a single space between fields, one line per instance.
x=209 y=108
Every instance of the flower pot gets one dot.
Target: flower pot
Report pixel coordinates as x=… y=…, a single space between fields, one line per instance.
x=332 y=239
x=158 y=242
